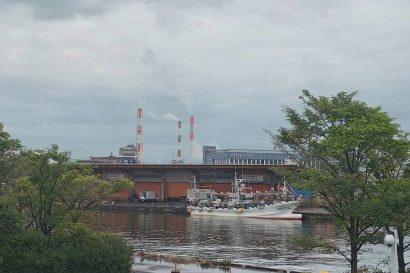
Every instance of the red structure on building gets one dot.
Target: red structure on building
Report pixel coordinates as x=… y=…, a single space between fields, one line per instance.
x=138 y=144
x=191 y=138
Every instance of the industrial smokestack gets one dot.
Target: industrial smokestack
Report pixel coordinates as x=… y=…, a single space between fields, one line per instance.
x=138 y=144
x=191 y=138
x=179 y=142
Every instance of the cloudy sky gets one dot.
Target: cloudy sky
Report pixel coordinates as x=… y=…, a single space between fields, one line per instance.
x=73 y=72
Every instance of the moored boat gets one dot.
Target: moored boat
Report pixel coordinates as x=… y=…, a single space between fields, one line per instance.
x=239 y=203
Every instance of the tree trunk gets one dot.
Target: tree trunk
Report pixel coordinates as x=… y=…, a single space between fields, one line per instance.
x=400 y=252
x=353 y=258
x=353 y=245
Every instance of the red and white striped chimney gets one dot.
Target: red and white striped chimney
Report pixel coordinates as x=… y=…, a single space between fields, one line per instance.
x=138 y=144
x=191 y=138
x=179 y=154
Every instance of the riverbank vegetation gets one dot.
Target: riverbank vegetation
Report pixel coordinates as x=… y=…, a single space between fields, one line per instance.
x=178 y=259
x=43 y=197
x=356 y=159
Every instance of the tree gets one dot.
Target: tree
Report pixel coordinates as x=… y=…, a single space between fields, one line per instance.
x=36 y=234
x=392 y=200
x=10 y=151
x=84 y=193
x=48 y=176
x=121 y=184
x=51 y=190
x=339 y=143
x=88 y=251
x=72 y=249
x=10 y=226
x=392 y=210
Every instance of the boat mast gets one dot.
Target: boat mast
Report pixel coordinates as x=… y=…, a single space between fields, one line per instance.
x=194 y=188
x=235 y=186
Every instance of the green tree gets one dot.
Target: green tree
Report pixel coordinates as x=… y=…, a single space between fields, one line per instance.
x=10 y=227
x=72 y=249
x=37 y=233
x=88 y=251
x=339 y=141
x=10 y=151
x=121 y=184
x=48 y=176
x=10 y=220
x=84 y=193
x=391 y=203
x=392 y=210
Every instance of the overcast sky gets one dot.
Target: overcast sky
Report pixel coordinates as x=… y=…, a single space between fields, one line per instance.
x=73 y=72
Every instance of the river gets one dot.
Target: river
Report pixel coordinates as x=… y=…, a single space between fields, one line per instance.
x=249 y=241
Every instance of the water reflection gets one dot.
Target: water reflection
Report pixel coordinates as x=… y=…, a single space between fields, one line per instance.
x=264 y=242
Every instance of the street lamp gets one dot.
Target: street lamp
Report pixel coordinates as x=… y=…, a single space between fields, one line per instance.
x=390 y=241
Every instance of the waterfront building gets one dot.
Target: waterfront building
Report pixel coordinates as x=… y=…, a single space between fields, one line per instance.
x=171 y=182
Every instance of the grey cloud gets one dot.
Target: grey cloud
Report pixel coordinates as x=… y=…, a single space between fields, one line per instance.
x=232 y=64
x=178 y=16
x=149 y=58
x=64 y=9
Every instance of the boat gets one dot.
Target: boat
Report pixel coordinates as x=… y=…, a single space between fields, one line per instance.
x=242 y=203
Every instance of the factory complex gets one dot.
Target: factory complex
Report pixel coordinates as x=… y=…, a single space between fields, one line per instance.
x=171 y=181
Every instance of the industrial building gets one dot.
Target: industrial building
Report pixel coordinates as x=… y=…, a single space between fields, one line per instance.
x=126 y=155
x=170 y=182
x=128 y=150
x=211 y=155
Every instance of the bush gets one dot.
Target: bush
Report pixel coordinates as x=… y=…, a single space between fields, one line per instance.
x=75 y=249
x=32 y=252
x=88 y=251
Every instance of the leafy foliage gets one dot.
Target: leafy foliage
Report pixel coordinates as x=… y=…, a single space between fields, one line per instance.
x=344 y=148
x=71 y=250
x=36 y=234
x=84 y=193
x=48 y=176
x=10 y=151
x=391 y=208
x=123 y=184
x=88 y=251
x=10 y=227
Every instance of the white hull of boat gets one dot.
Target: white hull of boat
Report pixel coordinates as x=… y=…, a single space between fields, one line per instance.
x=281 y=210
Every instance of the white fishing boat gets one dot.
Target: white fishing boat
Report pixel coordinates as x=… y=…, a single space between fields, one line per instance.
x=239 y=203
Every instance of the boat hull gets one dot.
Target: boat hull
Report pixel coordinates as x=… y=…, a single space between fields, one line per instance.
x=274 y=211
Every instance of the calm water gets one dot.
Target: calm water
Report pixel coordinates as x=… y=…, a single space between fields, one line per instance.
x=250 y=241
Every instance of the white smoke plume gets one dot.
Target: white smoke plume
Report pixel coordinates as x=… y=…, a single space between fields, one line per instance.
x=197 y=153
x=184 y=97
x=170 y=117
x=163 y=118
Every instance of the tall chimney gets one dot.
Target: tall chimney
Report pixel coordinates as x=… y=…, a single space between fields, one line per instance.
x=179 y=142
x=191 y=138
x=138 y=144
